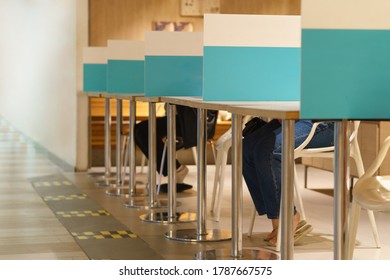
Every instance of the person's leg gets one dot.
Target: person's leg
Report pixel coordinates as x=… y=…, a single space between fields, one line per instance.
x=269 y=164
x=272 y=184
x=251 y=147
x=141 y=134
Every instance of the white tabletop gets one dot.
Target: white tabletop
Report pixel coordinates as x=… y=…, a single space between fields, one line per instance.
x=127 y=96
x=271 y=109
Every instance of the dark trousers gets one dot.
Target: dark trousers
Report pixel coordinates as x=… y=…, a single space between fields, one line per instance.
x=142 y=141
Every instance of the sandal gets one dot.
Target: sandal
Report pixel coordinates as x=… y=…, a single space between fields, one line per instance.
x=300 y=232
x=274 y=232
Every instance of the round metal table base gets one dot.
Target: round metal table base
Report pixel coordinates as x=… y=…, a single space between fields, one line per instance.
x=144 y=204
x=102 y=175
x=119 y=192
x=105 y=182
x=162 y=217
x=191 y=235
x=247 y=254
x=139 y=193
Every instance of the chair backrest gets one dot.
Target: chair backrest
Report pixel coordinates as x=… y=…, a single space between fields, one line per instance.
x=372 y=169
x=328 y=152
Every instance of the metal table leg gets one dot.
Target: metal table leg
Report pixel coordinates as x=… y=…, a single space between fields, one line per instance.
x=341 y=201
x=287 y=204
x=153 y=203
x=201 y=233
x=108 y=178
x=132 y=191
x=118 y=188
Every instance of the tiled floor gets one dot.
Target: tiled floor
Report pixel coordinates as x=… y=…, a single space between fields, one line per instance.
x=30 y=230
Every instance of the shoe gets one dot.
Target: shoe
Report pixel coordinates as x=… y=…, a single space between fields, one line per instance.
x=181 y=173
x=179 y=187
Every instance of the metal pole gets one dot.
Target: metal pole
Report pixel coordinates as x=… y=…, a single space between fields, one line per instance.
x=171 y=162
x=237 y=186
x=287 y=198
x=202 y=156
x=107 y=138
x=132 y=114
x=341 y=164
x=152 y=155
x=118 y=142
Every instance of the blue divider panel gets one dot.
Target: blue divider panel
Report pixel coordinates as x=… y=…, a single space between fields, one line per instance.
x=95 y=77
x=174 y=75
x=125 y=76
x=251 y=73
x=345 y=61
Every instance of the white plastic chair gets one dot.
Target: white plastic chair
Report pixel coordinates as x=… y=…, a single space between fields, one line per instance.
x=221 y=149
x=370 y=192
x=328 y=152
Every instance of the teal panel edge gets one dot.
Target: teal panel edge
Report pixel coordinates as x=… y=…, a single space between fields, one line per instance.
x=173 y=75
x=125 y=76
x=251 y=74
x=94 y=79
x=345 y=74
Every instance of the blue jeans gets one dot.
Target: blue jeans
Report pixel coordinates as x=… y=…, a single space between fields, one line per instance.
x=262 y=160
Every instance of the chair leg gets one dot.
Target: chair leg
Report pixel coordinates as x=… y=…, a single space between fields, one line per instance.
x=298 y=197
x=213 y=150
x=217 y=175
x=124 y=151
x=161 y=168
x=143 y=163
x=305 y=176
x=221 y=184
x=194 y=155
x=355 y=154
x=252 y=222
x=371 y=217
x=354 y=220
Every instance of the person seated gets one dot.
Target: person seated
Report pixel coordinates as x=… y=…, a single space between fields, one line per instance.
x=186 y=131
x=262 y=154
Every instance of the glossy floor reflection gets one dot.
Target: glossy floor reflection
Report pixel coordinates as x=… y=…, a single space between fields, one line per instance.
x=30 y=230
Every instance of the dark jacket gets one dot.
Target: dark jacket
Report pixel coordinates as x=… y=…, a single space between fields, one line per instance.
x=187 y=118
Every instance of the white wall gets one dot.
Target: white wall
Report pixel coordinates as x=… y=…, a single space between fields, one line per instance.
x=39 y=72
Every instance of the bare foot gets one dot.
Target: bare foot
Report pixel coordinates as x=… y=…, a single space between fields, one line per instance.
x=272 y=237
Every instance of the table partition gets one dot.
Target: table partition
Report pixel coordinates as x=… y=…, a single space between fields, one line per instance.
x=345 y=76
x=173 y=67
x=251 y=61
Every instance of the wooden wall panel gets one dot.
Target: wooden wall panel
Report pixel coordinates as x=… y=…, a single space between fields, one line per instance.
x=129 y=19
x=267 y=7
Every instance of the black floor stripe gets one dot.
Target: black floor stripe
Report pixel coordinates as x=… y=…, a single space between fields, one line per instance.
x=97 y=232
